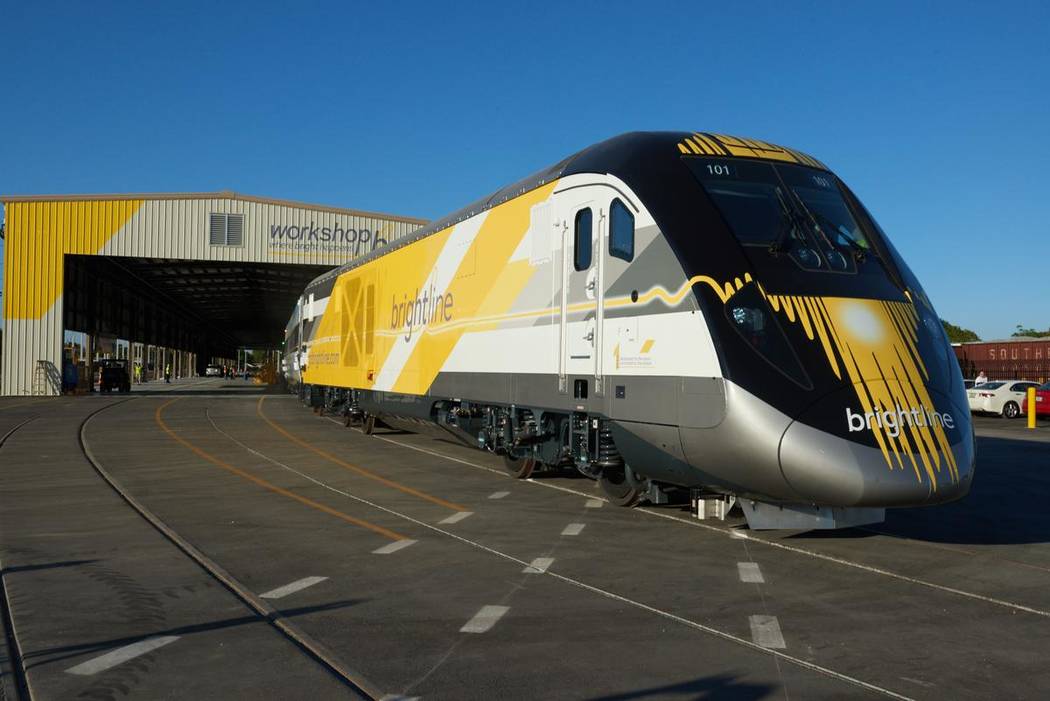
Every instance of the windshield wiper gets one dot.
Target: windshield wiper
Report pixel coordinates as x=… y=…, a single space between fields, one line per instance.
x=859 y=251
x=788 y=224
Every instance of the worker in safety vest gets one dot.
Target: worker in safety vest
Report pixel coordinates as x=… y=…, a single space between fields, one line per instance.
x=167 y=373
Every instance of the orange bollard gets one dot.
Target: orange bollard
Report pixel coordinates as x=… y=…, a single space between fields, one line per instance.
x=1031 y=407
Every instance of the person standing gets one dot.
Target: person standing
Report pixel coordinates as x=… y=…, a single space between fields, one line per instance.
x=981 y=379
x=167 y=373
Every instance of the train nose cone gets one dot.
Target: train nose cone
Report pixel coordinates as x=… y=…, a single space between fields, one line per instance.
x=824 y=464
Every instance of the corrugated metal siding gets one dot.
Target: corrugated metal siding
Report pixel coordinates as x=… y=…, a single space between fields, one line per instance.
x=40 y=232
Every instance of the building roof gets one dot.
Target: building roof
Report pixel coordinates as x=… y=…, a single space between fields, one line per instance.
x=219 y=195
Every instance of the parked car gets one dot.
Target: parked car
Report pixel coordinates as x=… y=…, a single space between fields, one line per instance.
x=213 y=371
x=113 y=375
x=1042 y=400
x=968 y=384
x=1000 y=397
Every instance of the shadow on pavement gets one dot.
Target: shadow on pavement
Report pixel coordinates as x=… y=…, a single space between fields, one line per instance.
x=713 y=688
x=1007 y=503
x=55 y=654
x=45 y=566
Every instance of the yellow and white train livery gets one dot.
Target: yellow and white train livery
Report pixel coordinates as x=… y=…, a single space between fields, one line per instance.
x=661 y=310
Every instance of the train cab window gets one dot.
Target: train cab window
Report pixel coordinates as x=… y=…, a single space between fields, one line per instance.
x=621 y=231
x=794 y=212
x=581 y=244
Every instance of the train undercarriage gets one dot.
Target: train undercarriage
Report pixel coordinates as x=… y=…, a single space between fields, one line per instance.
x=529 y=440
x=533 y=441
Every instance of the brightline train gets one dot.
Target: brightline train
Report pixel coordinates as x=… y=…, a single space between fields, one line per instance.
x=662 y=310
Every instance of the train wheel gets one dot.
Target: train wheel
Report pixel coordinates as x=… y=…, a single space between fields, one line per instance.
x=520 y=467
x=622 y=486
x=369 y=425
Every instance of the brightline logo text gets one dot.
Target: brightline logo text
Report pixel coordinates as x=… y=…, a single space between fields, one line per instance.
x=893 y=421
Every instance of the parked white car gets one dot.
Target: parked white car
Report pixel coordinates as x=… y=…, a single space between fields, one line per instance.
x=999 y=397
x=213 y=371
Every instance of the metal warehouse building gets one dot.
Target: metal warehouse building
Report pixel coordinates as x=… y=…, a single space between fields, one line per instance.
x=188 y=277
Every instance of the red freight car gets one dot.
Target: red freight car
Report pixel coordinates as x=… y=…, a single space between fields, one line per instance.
x=1023 y=358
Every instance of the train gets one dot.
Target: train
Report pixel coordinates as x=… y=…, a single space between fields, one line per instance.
x=662 y=312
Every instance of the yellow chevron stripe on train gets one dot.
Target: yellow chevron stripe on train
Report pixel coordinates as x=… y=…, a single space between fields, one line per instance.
x=673 y=314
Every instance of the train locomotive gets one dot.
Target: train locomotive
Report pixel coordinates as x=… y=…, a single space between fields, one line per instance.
x=660 y=311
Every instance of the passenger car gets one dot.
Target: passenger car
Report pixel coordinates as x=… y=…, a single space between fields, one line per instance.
x=1042 y=400
x=213 y=371
x=1001 y=397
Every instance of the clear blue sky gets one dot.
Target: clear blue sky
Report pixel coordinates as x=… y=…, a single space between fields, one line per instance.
x=935 y=113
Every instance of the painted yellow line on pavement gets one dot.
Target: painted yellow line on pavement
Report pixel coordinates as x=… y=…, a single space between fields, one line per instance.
x=263 y=483
x=354 y=468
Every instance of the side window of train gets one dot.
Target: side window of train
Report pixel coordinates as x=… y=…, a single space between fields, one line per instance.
x=581 y=243
x=621 y=231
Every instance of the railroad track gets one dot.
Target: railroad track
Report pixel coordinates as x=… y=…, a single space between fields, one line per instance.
x=18 y=689
x=13 y=682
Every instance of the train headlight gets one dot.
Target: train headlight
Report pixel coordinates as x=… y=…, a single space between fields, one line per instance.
x=750 y=316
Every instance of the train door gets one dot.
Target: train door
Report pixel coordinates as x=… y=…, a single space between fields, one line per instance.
x=581 y=298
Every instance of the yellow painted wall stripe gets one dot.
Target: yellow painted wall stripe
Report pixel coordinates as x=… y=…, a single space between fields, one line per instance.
x=39 y=235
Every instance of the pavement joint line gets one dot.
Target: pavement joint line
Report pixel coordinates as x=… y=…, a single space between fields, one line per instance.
x=121 y=655
x=484 y=619
x=267 y=613
x=354 y=468
x=539 y=565
x=219 y=462
x=765 y=631
x=498 y=495
x=860 y=566
x=750 y=572
x=573 y=529
x=594 y=504
x=743 y=642
x=293 y=587
x=736 y=533
x=456 y=517
x=394 y=547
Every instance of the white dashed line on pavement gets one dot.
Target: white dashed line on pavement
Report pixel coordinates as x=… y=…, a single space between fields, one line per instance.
x=539 y=565
x=121 y=655
x=498 y=495
x=573 y=529
x=484 y=619
x=393 y=547
x=456 y=517
x=749 y=572
x=594 y=503
x=765 y=631
x=297 y=585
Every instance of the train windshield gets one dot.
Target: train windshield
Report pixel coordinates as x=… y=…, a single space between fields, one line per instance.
x=791 y=210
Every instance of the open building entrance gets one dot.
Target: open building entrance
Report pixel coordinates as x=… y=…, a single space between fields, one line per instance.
x=172 y=314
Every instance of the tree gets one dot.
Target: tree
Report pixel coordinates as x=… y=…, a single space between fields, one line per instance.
x=1021 y=331
x=957 y=334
